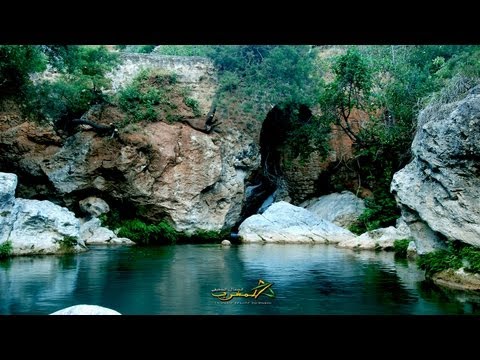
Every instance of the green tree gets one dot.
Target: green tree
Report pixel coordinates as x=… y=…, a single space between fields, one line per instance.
x=17 y=63
x=79 y=85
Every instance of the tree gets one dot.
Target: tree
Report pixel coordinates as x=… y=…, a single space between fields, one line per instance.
x=349 y=90
x=17 y=62
x=79 y=85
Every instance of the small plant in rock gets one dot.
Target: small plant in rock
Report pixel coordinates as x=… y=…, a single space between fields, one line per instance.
x=67 y=243
x=6 y=249
x=400 y=247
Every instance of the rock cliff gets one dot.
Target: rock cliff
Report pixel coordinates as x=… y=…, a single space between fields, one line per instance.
x=439 y=190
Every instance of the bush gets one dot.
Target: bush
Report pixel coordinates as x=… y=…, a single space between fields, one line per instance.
x=400 y=247
x=67 y=243
x=194 y=105
x=80 y=83
x=438 y=261
x=17 y=62
x=455 y=257
x=6 y=249
x=150 y=97
x=143 y=233
x=208 y=236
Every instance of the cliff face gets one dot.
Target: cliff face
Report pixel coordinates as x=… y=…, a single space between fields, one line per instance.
x=165 y=170
x=439 y=190
x=195 y=179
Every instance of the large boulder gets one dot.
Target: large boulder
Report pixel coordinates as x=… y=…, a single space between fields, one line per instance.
x=343 y=209
x=379 y=239
x=86 y=310
x=34 y=226
x=94 y=206
x=286 y=223
x=439 y=190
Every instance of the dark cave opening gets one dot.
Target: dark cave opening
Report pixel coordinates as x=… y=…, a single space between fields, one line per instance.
x=263 y=183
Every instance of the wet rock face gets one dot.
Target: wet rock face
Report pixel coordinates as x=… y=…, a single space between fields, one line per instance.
x=439 y=190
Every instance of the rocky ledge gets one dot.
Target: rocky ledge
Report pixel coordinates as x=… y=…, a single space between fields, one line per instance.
x=42 y=227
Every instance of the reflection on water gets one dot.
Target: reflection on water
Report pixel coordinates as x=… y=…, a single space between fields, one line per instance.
x=318 y=279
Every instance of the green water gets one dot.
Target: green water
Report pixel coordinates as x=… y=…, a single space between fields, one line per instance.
x=317 y=279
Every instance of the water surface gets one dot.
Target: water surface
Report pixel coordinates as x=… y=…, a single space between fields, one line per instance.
x=317 y=279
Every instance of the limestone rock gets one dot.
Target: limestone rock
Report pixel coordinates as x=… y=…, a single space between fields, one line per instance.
x=226 y=243
x=379 y=239
x=92 y=232
x=439 y=190
x=8 y=184
x=286 y=223
x=37 y=227
x=411 y=250
x=86 y=310
x=343 y=209
x=94 y=206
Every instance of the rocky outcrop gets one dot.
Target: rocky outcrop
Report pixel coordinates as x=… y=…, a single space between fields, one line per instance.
x=194 y=180
x=92 y=233
x=439 y=190
x=86 y=310
x=286 y=223
x=36 y=227
x=343 y=209
x=457 y=280
x=94 y=206
x=379 y=239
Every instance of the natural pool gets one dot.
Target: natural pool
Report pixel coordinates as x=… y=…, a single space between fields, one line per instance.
x=317 y=279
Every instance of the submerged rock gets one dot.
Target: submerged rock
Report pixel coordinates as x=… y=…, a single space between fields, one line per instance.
x=457 y=280
x=86 y=310
x=343 y=209
x=439 y=190
x=286 y=223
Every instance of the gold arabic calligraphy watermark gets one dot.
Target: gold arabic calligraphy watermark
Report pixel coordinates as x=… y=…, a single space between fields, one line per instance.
x=263 y=288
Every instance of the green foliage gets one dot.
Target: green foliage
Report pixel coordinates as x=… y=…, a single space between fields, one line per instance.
x=380 y=211
x=143 y=49
x=80 y=82
x=194 y=105
x=455 y=257
x=208 y=236
x=68 y=243
x=17 y=63
x=150 y=97
x=400 y=247
x=142 y=233
x=6 y=249
x=184 y=50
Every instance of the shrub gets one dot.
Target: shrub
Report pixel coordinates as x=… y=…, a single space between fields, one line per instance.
x=149 y=97
x=6 y=249
x=455 y=257
x=67 y=243
x=194 y=105
x=400 y=247
x=143 y=233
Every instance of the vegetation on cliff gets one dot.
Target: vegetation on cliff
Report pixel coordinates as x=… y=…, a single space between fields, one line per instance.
x=388 y=84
